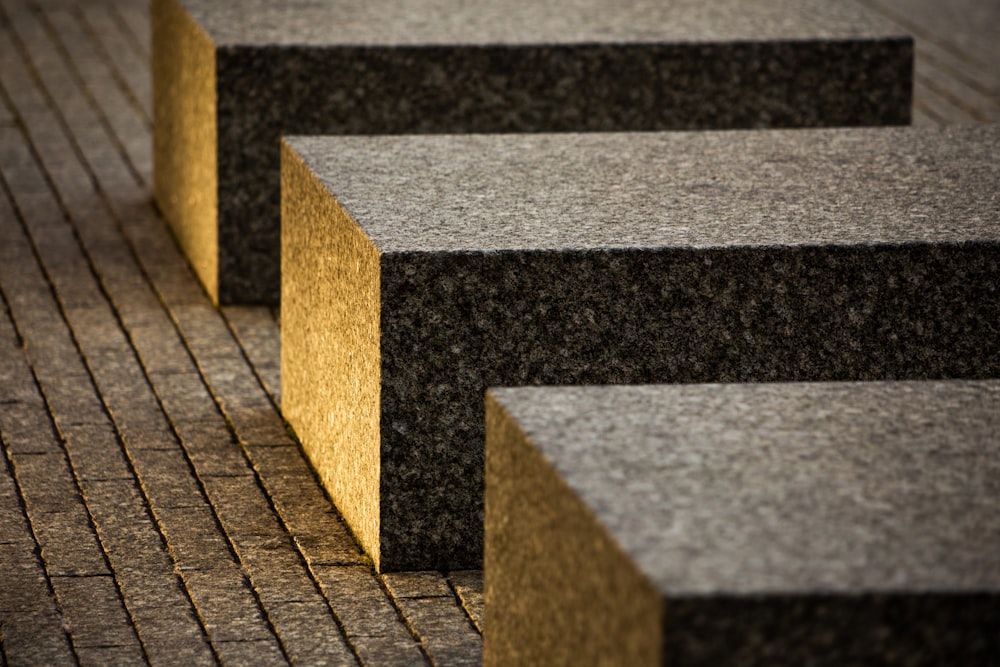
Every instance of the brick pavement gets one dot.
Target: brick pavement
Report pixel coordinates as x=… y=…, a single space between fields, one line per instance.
x=153 y=508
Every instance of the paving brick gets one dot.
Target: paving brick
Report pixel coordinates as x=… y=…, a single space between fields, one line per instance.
x=126 y=527
x=303 y=506
x=94 y=612
x=136 y=18
x=143 y=432
x=653 y=67
x=123 y=386
x=444 y=630
x=822 y=523
x=99 y=334
x=168 y=643
x=27 y=428
x=243 y=507
x=36 y=639
x=69 y=544
x=184 y=396
x=227 y=606
x=54 y=356
x=13 y=521
x=130 y=127
x=105 y=29
x=259 y=336
x=244 y=402
x=212 y=449
x=167 y=478
x=606 y=259
x=372 y=624
x=72 y=399
x=96 y=452
x=468 y=585
x=276 y=570
x=205 y=331
x=47 y=482
x=195 y=538
x=309 y=634
x=26 y=589
x=162 y=613
x=251 y=652
x=416 y=584
x=160 y=348
x=98 y=656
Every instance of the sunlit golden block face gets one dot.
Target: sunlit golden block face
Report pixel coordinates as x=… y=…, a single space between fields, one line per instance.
x=557 y=587
x=330 y=357
x=185 y=139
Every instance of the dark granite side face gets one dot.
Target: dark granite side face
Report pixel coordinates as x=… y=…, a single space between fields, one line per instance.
x=921 y=629
x=454 y=324
x=265 y=92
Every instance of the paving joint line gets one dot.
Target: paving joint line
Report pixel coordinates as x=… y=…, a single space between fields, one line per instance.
x=103 y=288
x=956 y=101
x=116 y=74
x=43 y=17
x=73 y=335
x=130 y=36
x=8 y=455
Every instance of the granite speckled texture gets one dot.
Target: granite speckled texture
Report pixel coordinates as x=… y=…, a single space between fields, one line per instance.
x=778 y=524
x=444 y=66
x=611 y=259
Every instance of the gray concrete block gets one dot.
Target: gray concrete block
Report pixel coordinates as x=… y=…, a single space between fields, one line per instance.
x=778 y=524
x=231 y=77
x=417 y=271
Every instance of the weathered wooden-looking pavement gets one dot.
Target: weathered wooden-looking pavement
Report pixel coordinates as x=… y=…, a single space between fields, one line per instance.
x=152 y=507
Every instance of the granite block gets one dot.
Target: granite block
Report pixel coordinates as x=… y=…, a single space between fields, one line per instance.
x=749 y=524
x=502 y=260
x=231 y=77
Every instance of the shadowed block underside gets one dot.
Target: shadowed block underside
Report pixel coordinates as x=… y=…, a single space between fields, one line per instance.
x=421 y=270
x=444 y=66
x=770 y=524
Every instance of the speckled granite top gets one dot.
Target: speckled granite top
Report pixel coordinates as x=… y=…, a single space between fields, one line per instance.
x=797 y=488
x=705 y=189
x=406 y=22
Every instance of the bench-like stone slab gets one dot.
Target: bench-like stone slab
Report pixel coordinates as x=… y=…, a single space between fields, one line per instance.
x=230 y=77
x=769 y=524
x=418 y=271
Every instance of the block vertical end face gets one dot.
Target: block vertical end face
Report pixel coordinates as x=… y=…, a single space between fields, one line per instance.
x=556 y=586
x=185 y=182
x=330 y=356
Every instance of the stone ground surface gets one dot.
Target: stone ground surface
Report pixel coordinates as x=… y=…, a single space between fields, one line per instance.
x=152 y=507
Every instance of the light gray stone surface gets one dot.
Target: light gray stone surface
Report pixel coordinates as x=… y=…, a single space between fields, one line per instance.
x=854 y=516
x=231 y=77
x=480 y=261
x=439 y=22
x=779 y=488
x=693 y=190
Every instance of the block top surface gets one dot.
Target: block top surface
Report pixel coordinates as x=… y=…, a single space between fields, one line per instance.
x=519 y=22
x=591 y=191
x=784 y=488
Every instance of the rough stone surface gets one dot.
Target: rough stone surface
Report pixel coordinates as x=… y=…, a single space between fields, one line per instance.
x=468 y=585
x=231 y=78
x=827 y=523
x=610 y=259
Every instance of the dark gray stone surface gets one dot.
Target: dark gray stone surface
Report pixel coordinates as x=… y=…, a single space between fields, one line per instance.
x=800 y=523
x=445 y=66
x=611 y=259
